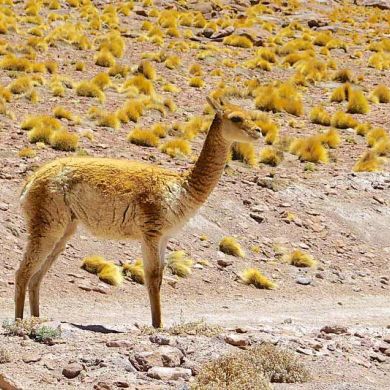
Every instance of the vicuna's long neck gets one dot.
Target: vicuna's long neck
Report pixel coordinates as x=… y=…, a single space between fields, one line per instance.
x=208 y=169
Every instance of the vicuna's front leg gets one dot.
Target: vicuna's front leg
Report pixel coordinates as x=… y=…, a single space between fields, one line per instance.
x=153 y=252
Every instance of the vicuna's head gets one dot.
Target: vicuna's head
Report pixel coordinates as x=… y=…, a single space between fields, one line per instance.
x=237 y=123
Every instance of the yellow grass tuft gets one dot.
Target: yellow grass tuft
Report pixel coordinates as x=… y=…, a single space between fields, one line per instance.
x=61 y=112
x=196 y=82
x=63 y=140
x=319 y=115
x=27 y=152
x=147 y=69
x=79 y=66
x=160 y=130
x=331 y=138
x=230 y=246
x=171 y=88
x=343 y=75
x=102 y=80
x=21 y=85
x=176 y=147
x=41 y=121
x=375 y=135
x=363 y=128
x=357 y=103
x=143 y=137
x=244 y=152
x=179 y=263
x=382 y=147
x=300 y=258
x=39 y=134
x=11 y=62
x=381 y=93
x=341 y=120
x=118 y=70
x=196 y=70
x=90 y=89
x=368 y=162
x=143 y=85
x=107 y=119
x=105 y=59
x=94 y=264
x=380 y=61
x=111 y=274
x=310 y=149
x=135 y=271
x=172 y=62
x=254 y=277
x=270 y=156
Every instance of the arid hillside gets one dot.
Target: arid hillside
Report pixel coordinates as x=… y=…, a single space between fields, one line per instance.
x=281 y=280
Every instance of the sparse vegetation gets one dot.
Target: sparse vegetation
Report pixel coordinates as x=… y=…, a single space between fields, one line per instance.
x=252 y=369
x=299 y=258
x=180 y=264
x=230 y=246
x=254 y=277
x=135 y=271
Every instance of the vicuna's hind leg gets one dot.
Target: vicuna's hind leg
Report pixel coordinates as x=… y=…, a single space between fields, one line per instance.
x=35 y=281
x=153 y=251
x=38 y=249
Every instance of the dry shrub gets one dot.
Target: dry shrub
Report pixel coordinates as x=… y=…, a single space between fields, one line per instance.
x=251 y=370
x=176 y=147
x=230 y=246
x=135 y=271
x=368 y=162
x=143 y=137
x=63 y=140
x=254 y=277
x=21 y=327
x=179 y=263
x=300 y=259
x=310 y=149
x=244 y=152
x=271 y=156
x=111 y=274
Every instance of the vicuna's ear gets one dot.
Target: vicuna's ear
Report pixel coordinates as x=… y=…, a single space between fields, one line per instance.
x=216 y=105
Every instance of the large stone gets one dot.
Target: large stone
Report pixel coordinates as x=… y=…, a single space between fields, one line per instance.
x=7 y=383
x=381 y=4
x=163 y=356
x=169 y=373
x=238 y=340
x=31 y=357
x=335 y=329
x=119 y=343
x=72 y=370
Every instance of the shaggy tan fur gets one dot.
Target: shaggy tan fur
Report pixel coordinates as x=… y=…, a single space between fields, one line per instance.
x=120 y=199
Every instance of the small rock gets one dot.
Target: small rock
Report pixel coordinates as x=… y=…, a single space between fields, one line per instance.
x=377 y=358
x=8 y=383
x=171 y=357
x=387 y=352
x=303 y=280
x=159 y=339
x=305 y=351
x=72 y=370
x=121 y=384
x=119 y=343
x=85 y=287
x=382 y=347
x=169 y=373
x=257 y=217
x=238 y=340
x=224 y=262
x=335 y=329
x=102 y=386
x=31 y=358
x=386 y=339
x=4 y=206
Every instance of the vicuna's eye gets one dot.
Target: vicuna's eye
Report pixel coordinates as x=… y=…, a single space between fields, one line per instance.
x=236 y=119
